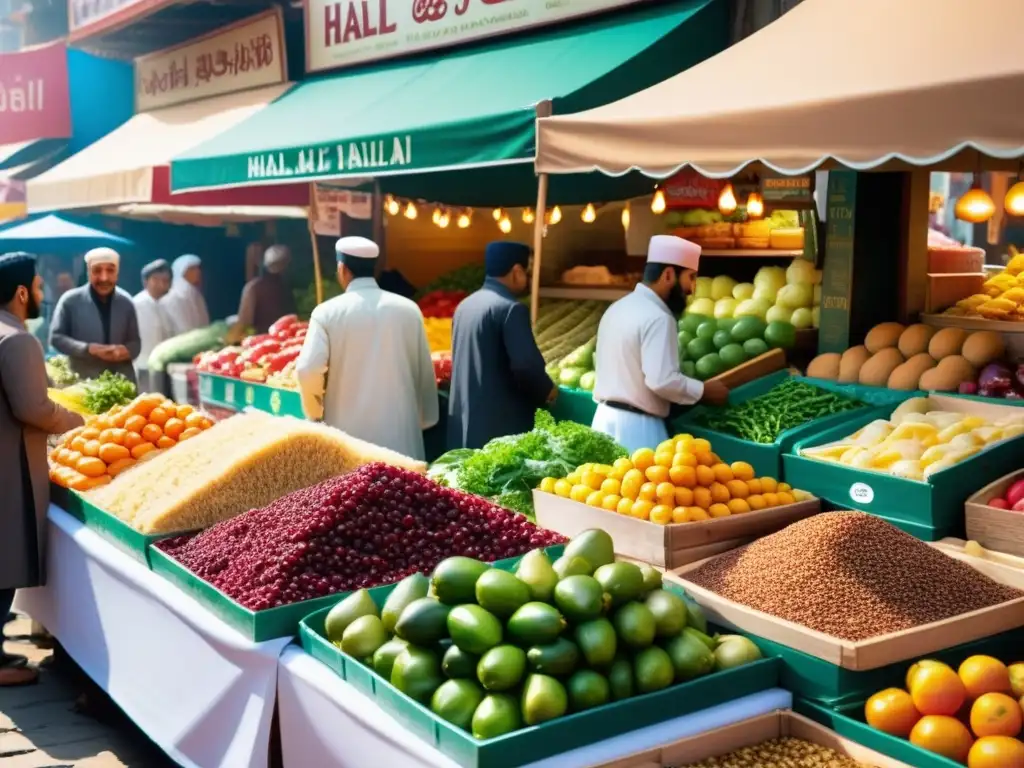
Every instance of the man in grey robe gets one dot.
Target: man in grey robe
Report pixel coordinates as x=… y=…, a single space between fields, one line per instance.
x=96 y=325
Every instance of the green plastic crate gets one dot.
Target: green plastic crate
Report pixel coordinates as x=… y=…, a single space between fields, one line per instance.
x=236 y=395
x=574 y=405
x=988 y=400
x=864 y=393
x=551 y=738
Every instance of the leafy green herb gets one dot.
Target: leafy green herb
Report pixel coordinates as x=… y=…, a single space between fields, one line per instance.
x=58 y=368
x=108 y=390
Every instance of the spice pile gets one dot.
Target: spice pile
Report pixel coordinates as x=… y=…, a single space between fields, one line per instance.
x=786 y=751
x=849 y=575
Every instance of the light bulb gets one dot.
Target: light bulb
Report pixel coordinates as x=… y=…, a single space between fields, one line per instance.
x=658 y=202
x=755 y=206
x=505 y=224
x=555 y=216
x=497 y=213
x=625 y=217
x=410 y=210
x=444 y=219
x=436 y=217
x=1014 y=200
x=528 y=217
x=391 y=205
x=464 y=220
x=975 y=206
x=589 y=215
x=727 y=200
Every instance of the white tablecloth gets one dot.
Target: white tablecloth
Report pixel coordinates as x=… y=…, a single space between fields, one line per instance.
x=326 y=722
x=196 y=687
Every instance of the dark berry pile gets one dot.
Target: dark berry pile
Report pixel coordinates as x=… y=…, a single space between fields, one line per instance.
x=373 y=526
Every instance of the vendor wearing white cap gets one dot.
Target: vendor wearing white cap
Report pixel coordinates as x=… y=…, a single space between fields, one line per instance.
x=365 y=365
x=185 y=304
x=96 y=325
x=637 y=356
x=268 y=297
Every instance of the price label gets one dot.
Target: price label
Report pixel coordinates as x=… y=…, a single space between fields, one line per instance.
x=250 y=395
x=862 y=493
x=275 y=403
x=207 y=386
x=229 y=391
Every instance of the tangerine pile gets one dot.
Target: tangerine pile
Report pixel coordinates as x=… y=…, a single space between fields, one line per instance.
x=92 y=455
x=973 y=715
x=681 y=481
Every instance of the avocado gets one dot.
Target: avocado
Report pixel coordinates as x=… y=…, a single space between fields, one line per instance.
x=497 y=715
x=408 y=589
x=652 y=577
x=695 y=616
x=384 y=657
x=456 y=663
x=544 y=698
x=424 y=621
x=535 y=624
x=580 y=598
x=709 y=642
x=620 y=679
x=557 y=658
x=359 y=603
x=634 y=624
x=566 y=566
x=501 y=593
x=456 y=701
x=597 y=642
x=501 y=668
x=690 y=657
x=363 y=637
x=536 y=573
x=588 y=689
x=473 y=629
x=455 y=578
x=623 y=581
x=593 y=545
x=669 y=612
x=652 y=669
x=417 y=673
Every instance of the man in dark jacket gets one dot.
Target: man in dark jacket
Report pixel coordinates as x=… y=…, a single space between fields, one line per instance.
x=267 y=298
x=498 y=377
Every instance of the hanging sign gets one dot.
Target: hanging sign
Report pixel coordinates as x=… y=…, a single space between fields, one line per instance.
x=688 y=189
x=340 y=33
x=331 y=203
x=92 y=17
x=837 y=276
x=790 y=192
x=249 y=54
x=34 y=102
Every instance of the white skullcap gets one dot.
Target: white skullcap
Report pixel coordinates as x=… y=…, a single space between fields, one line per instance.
x=276 y=254
x=357 y=248
x=183 y=264
x=669 y=249
x=102 y=256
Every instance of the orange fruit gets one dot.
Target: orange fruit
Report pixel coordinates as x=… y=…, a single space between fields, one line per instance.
x=756 y=502
x=700 y=445
x=742 y=471
x=624 y=507
x=648 y=492
x=135 y=423
x=611 y=502
x=754 y=486
x=769 y=485
x=665 y=446
x=770 y=499
x=738 y=506
x=684 y=459
x=92 y=448
x=578 y=493
x=937 y=690
x=642 y=509
x=657 y=474
x=683 y=477
x=942 y=735
x=892 y=711
x=996 y=752
x=159 y=416
x=984 y=674
x=705 y=459
x=1017 y=678
x=664 y=458
x=701 y=497
x=737 y=489
x=152 y=432
x=914 y=668
x=696 y=515
x=719 y=493
x=722 y=473
x=89 y=433
x=189 y=433
x=590 y=479
x=679 y=515
x=785 y=497
x=993 y=714
x=594 y=499
x=111 y=452
x=182 y=411
x=611 y=486
x=643 y=458
x=661 y=514
x=563 y=488
x=683 y=497
x=631 y=483
x=77 y=444
x=719 y=510
x=621 y=464
x=705 y=475
x=665 y=490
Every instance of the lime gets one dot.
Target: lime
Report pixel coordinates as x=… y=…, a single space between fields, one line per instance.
x=721 y=339
x=780 y=335
x=732 y=355
x=690 y=322
x=689 y=369
x=754 y=347
x=699 y=347
x=709 y=365
x=707 y=329
x=726 y=323
x=747 y=327
x=685 y=337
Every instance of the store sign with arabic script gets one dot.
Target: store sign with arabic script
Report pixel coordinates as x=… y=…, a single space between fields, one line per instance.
x=249 y=54
x=340 y=33
x=34 y=101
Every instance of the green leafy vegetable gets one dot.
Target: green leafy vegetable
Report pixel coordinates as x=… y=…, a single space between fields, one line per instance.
x=108 y=390
x=58 y=368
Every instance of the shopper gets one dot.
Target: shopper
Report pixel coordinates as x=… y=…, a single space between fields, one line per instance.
x=498 y=377
x=365 y=365
x=27 y=416
x=96 y=325
x=268 y=297
x=185 y=304
x=637 y=357
x=154 y=325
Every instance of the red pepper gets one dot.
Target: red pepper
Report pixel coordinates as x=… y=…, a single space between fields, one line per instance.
x=284 y=322
x=277 y=362
x=252 y=341
x=257 y=353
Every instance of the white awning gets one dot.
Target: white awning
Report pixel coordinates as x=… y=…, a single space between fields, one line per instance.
x=207 y=215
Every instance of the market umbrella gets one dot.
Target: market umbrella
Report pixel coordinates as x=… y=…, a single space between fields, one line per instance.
x=53 y=234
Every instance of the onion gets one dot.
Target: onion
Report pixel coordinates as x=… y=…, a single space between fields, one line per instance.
x=995 y=377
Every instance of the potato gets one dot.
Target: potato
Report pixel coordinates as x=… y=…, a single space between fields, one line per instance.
x=983 y=347
x=914 y=340
x=947 y=375
x=946 y=342
x=825 y=366
x=850 y=364
x=883 y=335
x=876 y=371
x=907 y=375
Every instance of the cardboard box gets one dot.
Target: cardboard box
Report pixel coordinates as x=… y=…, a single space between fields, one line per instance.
x=867 y=654
x=668 y=546
x=999 y=529
x=747 y=733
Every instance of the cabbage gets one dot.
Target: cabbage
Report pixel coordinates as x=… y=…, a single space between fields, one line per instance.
x=800 y=271
x=742 y=291
x=702 y=290
x=751 y=307
x=725 y=308
x=770 y=278
x=796 y=295
x=702 y=306
x=778 y=314
x=802 y=318
x=721 y=287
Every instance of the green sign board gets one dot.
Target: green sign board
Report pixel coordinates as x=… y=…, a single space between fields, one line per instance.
x=837 y=277
x=236 y=395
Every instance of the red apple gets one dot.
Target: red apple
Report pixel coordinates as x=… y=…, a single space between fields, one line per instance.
x=1015 y=492
x=1019 y=506
x=999 y=503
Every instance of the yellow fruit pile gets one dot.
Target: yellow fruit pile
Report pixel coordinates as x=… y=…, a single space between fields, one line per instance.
x=1002 y=297
x=439 y=333
x=682 y=481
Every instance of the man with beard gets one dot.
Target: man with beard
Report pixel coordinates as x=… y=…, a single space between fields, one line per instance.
x=637 y=356
x=27 y=416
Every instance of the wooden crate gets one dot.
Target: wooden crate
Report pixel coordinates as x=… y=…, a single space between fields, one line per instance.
x=667 y=546
x=771 y=361
x=1001 y=530
x=748 y=733
x=1006 y=568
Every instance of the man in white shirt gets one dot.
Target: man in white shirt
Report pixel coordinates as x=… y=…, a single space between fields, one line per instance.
x=637 y=356
x=154 y=325
x=365 y=365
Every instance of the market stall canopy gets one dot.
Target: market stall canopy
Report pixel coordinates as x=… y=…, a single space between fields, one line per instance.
x=861 y=84
x=461 y=109
x=207 y=215
x=55 y=234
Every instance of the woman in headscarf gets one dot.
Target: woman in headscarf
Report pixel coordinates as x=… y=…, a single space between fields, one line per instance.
x=184 y=303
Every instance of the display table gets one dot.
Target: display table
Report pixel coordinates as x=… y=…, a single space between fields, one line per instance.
x=199 y=690
x=324 y=721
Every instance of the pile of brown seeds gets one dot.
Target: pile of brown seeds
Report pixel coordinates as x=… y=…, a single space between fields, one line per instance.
x=849 y=575
x=784 y=752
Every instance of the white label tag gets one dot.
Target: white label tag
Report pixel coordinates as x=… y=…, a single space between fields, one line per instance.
x=862 y=493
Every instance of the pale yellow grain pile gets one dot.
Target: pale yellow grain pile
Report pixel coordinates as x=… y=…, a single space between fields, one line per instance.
x=239 y=464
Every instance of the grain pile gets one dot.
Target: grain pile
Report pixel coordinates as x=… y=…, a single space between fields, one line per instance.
x=849 y=575
x=239 y=464
x=786 y=752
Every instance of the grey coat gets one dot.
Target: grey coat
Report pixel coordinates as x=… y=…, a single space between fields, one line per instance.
x=77 y=324
x=27 y=416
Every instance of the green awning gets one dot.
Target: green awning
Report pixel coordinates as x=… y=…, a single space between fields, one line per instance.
x=469 y=108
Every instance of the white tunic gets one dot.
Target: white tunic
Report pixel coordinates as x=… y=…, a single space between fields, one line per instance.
x=365 y=368
x=637 y=364
x=185 y=307
x=154 y=326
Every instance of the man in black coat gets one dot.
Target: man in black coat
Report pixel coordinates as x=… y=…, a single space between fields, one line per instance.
x=498 y=377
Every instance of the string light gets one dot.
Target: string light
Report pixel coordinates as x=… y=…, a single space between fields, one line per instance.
x=444 y=220
x=497 y=213
x=465 y=219
x=975 y=206
x=505 y=224
x=436 y=218
x=658 y=204
x=755 y=205
x=555 y=216
x=589 y=215
x=391 y=205
x=1014 y=200
x=410 y=211
x=625 y=217
x=727 y=200
x=528 y=216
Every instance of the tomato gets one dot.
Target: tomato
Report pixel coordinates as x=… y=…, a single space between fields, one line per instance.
x=1015 y=493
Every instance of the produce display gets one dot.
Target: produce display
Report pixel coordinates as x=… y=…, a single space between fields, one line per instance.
x=787 y=405
x=94 y=396
x=93 y=455
x=566 y=333
x=184 y=347
x=599 y=276
x=714 y=231
x=266 y=358
x=997 y=380
x=375 y=525
x=916 y=442
x=791 y=295
x=507 y=469
x=465 y=279
x=58 y=369
x=971 y=715
x=710 y=347
x=786 y=751
x=442 y=368
x=241 y=463
x=1002 y=296
x=913 y=357
x=439 y=333
x=440 y=304
x=535 y=645
x=850 y=575
x=681 y=481
x=1013 y=498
